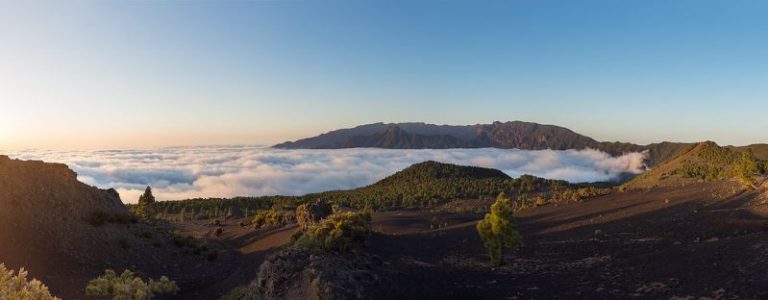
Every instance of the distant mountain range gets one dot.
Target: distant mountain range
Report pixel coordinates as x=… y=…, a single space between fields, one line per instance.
x=506 y=135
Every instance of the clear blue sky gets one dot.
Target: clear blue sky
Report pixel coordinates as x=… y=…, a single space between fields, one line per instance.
x=148 y=73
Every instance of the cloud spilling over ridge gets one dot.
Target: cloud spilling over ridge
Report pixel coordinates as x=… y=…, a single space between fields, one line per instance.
x=188 y=172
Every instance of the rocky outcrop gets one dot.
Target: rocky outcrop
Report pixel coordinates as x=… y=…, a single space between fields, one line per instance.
x=312 y=274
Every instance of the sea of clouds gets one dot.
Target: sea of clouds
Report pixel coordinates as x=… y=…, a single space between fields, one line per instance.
x=227 y=171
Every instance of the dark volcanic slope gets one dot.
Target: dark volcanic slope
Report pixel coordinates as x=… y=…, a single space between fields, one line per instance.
x=700 y=241
x=47 y=226
x=508 y=135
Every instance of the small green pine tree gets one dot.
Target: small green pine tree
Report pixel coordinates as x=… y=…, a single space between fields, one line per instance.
x=145 y=203
x=498 y=230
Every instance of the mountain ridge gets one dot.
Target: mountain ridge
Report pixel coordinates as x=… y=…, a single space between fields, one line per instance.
x=504 y=135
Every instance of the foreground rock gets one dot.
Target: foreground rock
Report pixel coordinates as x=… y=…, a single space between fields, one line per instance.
x=310 y=274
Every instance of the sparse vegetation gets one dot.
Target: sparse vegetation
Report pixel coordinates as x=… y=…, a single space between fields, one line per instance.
x=216 y=208
x=128 y=286
x=16 y=286
x=498 y=230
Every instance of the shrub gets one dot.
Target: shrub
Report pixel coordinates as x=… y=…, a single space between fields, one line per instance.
x=128 y=286
x=182 y=240
x=498 y=230
x=310 y=214
x=18 y=287
x=746 y=167
x=272 y=217
x=339 y=232
x=700 y=171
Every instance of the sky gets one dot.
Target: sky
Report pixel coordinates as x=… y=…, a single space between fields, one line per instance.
x=113 y=74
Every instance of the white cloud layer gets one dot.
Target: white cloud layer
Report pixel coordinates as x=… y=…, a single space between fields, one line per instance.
x=227 y=171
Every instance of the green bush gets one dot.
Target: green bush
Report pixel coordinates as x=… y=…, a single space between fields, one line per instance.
x=700 y=171
x=128 y=286
x=272 y=217
x=18 y=287
x=746 y=167
x=311 y=213
x=338 y=232
x=498 y=230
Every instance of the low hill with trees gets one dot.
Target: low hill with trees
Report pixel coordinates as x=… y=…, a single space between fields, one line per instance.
x=421 y=185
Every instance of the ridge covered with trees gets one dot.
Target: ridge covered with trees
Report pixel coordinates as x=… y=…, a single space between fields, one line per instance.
x=421 y=185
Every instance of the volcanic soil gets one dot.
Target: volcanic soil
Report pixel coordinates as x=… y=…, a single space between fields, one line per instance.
x=700 y=240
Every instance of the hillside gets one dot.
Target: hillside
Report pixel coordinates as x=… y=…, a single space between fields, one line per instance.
x=66 y=233
x=507 y=135
x=430 y=183
x=704 y=161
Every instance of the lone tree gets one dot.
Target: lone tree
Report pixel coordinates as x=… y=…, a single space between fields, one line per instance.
x=498 y=230
x=746 y=166
x=145 y=203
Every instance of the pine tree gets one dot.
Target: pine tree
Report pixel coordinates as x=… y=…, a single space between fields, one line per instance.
x=145 y=203
x=498 y=230
x=182 y=214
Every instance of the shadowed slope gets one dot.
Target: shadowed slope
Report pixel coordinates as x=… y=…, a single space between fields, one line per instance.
x=66 y=233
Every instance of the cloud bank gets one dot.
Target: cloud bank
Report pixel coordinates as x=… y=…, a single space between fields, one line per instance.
x=188 y=172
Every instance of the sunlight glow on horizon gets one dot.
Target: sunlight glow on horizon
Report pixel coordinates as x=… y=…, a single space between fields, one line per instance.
x=137 y=74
